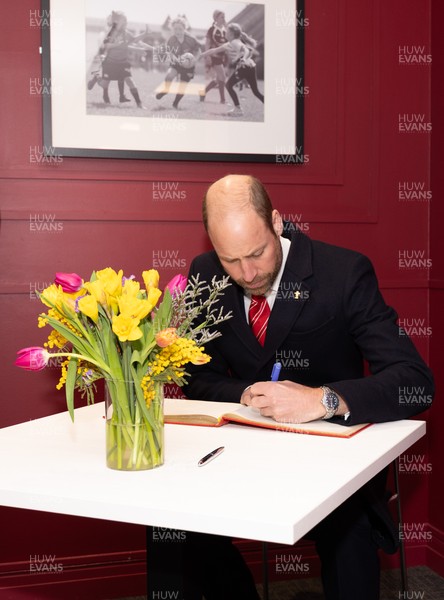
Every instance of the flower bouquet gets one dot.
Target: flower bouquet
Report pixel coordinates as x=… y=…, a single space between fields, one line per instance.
x=112 y=328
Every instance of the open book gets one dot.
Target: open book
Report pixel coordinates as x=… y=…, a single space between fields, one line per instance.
x=216 y=414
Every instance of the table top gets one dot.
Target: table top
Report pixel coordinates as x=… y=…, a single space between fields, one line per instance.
x=266 y=485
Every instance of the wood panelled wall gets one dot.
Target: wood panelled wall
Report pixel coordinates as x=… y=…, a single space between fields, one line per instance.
x=363 y=157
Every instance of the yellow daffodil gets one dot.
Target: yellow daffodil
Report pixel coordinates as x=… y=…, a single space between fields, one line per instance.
x=50 y=295
x=126 y=328
x=153 y=297
x=151 y=279
x=106 y=288
x=54 y=295
x=96 y=289
x=131 y=288
x=89 y=307
x=135 y=308
x=111 y=281
x=68 y=302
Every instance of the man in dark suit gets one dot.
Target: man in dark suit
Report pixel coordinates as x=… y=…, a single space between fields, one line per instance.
x=324 y=320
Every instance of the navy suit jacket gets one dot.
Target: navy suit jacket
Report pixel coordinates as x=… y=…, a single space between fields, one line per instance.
x=329 y=319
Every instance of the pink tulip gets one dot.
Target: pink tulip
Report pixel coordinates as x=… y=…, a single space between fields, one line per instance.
x=177 y=285
x=70 y=282
x=34 y=358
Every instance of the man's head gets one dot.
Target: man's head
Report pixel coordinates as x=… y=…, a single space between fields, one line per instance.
x=244 y=230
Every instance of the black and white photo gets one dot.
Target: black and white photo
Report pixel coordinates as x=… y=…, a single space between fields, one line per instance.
x=190 y=80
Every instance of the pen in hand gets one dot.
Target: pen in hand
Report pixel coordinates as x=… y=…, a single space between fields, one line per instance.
x=276 y=371
x=211 y=456
x=274 y=374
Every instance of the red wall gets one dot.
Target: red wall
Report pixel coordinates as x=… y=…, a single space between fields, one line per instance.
x=435 y=556
x=347 y=193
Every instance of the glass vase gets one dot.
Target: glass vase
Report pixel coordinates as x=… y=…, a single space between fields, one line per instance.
x=134 y=426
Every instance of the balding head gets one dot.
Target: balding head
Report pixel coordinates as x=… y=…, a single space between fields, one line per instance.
x=244 y=230
x=235 y=194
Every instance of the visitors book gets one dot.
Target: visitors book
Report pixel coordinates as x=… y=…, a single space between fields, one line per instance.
x=216 y=414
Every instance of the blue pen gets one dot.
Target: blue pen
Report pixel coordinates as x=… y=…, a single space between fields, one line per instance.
x=276 y=370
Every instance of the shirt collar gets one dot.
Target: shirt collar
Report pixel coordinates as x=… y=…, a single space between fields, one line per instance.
x=285 y=245
x=272 y=292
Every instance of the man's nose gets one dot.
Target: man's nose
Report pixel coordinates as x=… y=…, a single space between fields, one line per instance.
x=249 y=271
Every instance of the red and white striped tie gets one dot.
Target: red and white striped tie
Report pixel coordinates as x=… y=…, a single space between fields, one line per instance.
x=258 y=316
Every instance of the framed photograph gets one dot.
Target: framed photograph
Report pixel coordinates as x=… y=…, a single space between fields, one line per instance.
x=179 y=79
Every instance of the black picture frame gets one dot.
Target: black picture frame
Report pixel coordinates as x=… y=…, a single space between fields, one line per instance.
x=75 y=126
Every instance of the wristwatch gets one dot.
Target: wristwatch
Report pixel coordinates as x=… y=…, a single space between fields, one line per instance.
x=330 y=401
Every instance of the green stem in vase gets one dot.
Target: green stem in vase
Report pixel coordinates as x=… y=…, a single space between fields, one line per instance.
x=136 y=450
x=137 y=443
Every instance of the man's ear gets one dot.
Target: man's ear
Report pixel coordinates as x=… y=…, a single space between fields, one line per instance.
x=278 y=224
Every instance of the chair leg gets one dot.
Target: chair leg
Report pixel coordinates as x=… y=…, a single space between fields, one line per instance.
x=404 y=581
x=264 y=571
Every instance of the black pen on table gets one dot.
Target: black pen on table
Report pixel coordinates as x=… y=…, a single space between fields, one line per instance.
x=211 y=456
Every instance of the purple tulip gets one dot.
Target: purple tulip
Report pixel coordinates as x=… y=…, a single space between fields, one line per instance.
x=34 y=358
x=177 y=285
x=70 y=282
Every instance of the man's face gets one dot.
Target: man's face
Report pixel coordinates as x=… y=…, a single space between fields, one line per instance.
x=249 y=251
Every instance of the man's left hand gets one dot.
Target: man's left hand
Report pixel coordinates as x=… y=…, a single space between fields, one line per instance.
x=285 y=401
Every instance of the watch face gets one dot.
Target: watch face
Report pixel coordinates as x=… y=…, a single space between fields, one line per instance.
x=331 y=402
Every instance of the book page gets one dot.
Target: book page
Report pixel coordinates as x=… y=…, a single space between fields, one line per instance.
x=181 y=410
x=202 y=412
x=252 y=416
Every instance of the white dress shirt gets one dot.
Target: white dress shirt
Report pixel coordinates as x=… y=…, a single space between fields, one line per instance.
x=271 y=294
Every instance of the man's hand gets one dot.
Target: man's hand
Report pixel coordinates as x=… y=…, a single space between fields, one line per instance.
x=285 y=401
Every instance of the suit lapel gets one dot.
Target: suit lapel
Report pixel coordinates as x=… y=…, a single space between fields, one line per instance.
x=293 y=293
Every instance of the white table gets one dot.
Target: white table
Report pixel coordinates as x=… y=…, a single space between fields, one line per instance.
x=269 y=486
